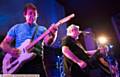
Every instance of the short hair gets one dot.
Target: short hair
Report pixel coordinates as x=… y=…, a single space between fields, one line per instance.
x=29 y=6
x=71 y=27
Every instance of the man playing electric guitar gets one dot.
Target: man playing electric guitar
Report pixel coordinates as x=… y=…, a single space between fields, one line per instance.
x=21 y=58
x=22 y=34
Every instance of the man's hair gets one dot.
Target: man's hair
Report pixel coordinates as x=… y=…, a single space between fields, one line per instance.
x=29 y=6
x=71 y=27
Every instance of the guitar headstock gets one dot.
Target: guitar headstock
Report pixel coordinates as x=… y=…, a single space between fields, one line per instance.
x=65 y=19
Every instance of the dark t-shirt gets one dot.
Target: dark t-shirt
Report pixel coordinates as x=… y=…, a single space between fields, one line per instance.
x=71 y=68
x=77 y=50
x=71 y=43
x=92 y=62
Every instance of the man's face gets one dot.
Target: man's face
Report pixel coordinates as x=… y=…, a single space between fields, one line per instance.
x=31 y=16
x=75 y=32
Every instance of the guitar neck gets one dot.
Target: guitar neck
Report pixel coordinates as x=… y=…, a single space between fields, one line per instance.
x=32 y=44
x=60 y=22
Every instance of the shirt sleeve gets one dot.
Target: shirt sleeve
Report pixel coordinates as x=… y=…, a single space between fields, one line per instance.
x=41 y=30
x=66 y=41
x=11 y=31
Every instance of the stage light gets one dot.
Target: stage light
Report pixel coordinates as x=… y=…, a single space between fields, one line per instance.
x=110 y=46
x=102 y=40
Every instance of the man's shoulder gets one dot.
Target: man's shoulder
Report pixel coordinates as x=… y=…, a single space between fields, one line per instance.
x=19 y=24
x=67 y=37
x=40 y=27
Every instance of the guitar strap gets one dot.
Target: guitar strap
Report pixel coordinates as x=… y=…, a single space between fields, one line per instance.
x=35 y=31
x=80 y=46
x=36 y=48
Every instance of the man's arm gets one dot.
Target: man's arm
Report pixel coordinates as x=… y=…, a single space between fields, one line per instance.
x=101 y=49
x=102 y=60
x=67 y=52
x=51 y=37
x=91 y=52
x=6 y=46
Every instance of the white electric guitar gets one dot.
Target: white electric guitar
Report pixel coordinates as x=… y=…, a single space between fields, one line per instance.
x=9 y=67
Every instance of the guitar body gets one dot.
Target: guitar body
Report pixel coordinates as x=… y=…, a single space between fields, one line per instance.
x=11 y=64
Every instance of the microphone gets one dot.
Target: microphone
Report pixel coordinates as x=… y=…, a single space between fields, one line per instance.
x=85 y=32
